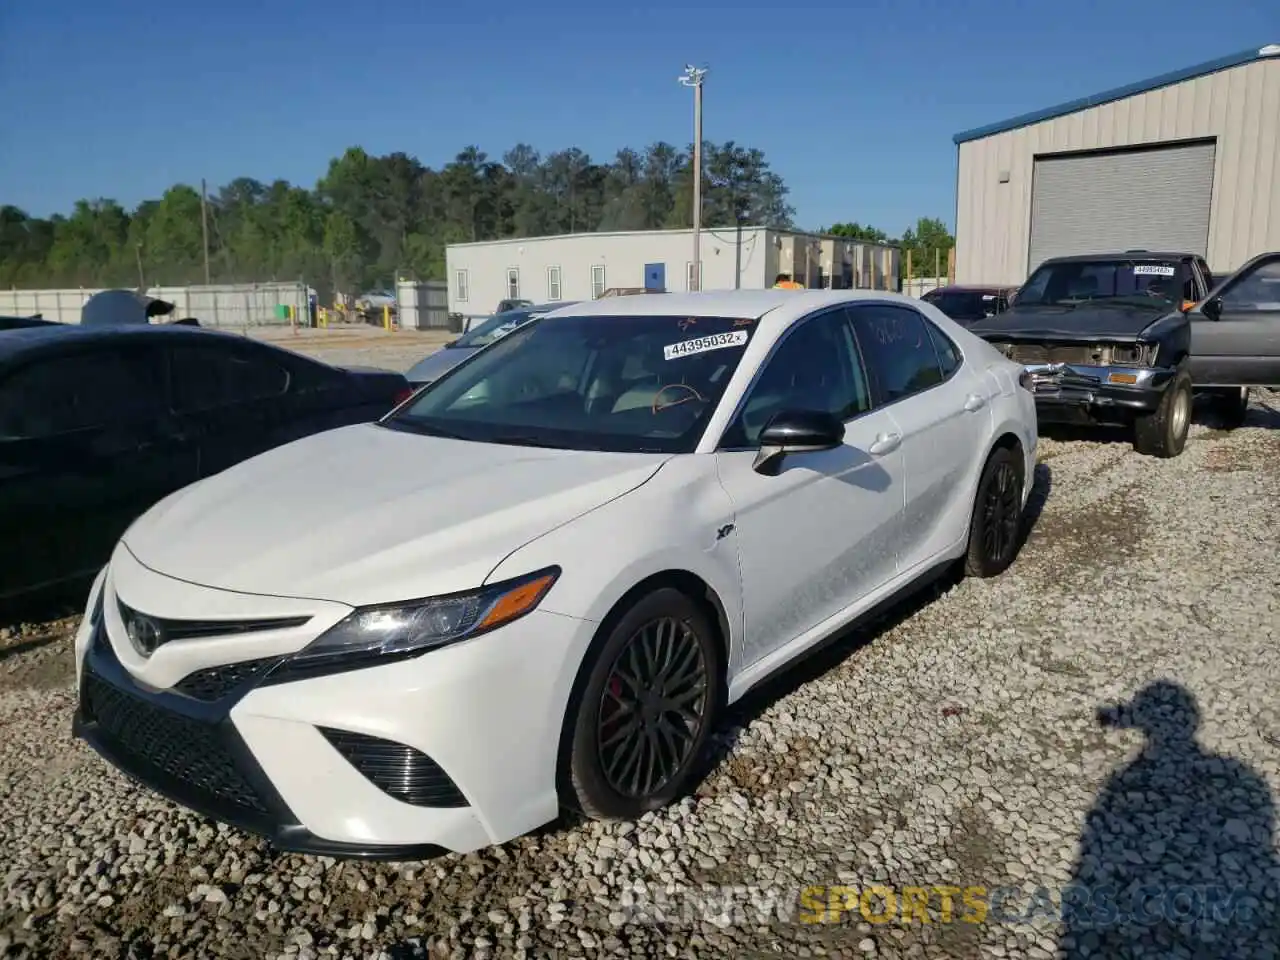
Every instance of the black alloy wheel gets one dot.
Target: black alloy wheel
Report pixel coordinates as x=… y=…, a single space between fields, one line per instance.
x=652 y=708
x=647 y=708
x=996 y=529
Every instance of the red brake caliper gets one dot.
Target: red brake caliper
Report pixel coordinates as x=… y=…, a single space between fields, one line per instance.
x=612 y=707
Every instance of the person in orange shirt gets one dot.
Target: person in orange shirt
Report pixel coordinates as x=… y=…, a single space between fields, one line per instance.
x=784 y=282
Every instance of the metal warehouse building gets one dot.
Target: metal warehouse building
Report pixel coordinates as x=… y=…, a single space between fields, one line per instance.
x=583 y=266
x=1188 y=161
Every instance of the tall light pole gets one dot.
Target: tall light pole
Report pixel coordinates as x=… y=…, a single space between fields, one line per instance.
x=693 y=77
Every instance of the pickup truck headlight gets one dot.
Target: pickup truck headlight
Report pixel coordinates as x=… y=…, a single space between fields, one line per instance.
x=387 y=632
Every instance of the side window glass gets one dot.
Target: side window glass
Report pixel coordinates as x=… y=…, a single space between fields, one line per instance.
x=81 y=392
x=815 y=368
x=948 y=354
x=898 y=350
x=1255 y=291
x=1191 y=284
x=204 y=378
x=1207 y=274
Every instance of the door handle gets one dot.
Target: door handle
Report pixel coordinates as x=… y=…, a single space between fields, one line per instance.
x=974 y=402
x=885 y=443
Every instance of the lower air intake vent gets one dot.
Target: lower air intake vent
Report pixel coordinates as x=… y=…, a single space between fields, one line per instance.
x=188 y=751
x=397 y=770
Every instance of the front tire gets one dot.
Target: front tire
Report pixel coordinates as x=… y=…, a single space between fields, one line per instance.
x=650 y=700
x=995 y=532
x=1163 y=432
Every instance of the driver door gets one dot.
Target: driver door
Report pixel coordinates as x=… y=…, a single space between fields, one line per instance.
x=821 y=534
x=1241 y=347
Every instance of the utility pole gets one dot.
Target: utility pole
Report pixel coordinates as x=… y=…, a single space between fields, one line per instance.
x=204 y=227
x=693 y=77
x=142 y=280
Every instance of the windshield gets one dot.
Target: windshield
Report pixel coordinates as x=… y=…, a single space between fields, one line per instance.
x=1155 y=283
x=624 y=384
x=499 y=325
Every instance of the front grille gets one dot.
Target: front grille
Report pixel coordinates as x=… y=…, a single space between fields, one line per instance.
x=1101 y=354
x=397 y=770
x=214 y=683
x=196 y=629
x=187 y=750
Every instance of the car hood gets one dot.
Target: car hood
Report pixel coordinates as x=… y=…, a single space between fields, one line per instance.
x=437 y=364
x=366 y=514
x=1083 y=322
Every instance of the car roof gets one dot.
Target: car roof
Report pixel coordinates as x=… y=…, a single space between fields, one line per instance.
x=776 y=309
x=26 y=340
x=974 y=288
x=1123 y=255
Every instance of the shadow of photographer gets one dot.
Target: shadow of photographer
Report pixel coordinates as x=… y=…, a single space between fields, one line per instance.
x=1177 y=857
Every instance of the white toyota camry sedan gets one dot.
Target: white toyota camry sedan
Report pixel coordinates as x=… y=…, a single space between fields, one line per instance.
x=538 y=581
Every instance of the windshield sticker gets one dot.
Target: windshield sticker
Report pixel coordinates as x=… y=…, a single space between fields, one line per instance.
x=1152 y=270
x=686 y=324
x=715 y=341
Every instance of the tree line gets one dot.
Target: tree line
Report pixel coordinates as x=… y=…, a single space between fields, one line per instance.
x=372 y=219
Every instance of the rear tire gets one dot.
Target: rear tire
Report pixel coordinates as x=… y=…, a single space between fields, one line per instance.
x=995 y=531
x=1163 y=432
x=1231 y=406
x=652 y=692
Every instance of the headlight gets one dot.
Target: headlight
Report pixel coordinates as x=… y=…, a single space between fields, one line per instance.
x=387 y=632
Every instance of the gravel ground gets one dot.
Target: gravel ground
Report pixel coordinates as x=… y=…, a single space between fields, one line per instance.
x=954 y=744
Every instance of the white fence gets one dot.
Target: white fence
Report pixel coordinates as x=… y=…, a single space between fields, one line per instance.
x=919 y=286
x=218 y=305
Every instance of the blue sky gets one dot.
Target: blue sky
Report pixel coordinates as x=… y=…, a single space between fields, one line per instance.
x=854 y=104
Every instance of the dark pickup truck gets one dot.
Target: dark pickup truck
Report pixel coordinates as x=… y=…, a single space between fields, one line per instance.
x=1128 y=338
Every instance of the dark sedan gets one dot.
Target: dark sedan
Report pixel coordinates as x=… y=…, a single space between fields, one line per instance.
x=96 y=425
x=968 y=304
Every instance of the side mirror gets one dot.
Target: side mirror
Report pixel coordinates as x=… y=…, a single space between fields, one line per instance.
x=1212 y=308
x=796 y=431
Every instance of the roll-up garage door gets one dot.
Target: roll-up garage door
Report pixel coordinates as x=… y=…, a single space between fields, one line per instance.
x=1149 y=199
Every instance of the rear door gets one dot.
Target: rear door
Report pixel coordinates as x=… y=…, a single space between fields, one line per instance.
x=87 y=443
x=1242 y=347
x=942 y=407
x=232 y=398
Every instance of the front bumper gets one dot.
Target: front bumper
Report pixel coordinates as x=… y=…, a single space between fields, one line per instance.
x=1081 y=393
x=473 y=728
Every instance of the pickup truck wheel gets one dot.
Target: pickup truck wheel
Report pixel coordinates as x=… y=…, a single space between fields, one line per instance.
x=1163 y=432
x=1231 y=406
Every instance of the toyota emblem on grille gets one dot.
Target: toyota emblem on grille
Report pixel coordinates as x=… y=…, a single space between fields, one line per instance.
x=144 y=633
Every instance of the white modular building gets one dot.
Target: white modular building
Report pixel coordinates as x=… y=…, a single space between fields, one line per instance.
x=1188 y=161
x=583 y=266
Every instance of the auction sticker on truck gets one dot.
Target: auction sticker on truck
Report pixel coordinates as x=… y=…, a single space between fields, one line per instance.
x=1153 y=270
x=714 y=341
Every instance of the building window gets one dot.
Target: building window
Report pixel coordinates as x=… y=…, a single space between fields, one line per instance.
x=597 y=281
x=513 y=283
x=460 y=285
x=553 y=283
x=692 y=276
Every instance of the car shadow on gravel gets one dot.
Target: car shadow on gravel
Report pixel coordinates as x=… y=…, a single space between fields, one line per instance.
x=1177 y=856
x=831 y=653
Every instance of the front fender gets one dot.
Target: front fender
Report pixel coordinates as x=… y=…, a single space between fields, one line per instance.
x=1172 y=336
x=675 y=521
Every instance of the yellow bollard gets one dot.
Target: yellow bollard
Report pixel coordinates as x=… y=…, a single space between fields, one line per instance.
x=386 y=318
